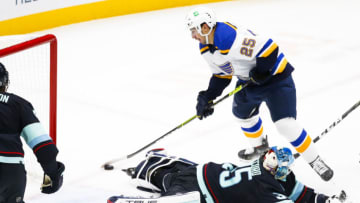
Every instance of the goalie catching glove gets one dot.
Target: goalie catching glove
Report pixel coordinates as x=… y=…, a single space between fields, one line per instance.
x=53 y=181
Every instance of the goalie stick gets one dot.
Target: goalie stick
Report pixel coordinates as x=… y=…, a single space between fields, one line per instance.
x=332 y=125
x=190 y=197
x=108 y=165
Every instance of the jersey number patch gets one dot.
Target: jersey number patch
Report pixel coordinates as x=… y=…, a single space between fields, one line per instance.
x=247 y=48
x=233 y=176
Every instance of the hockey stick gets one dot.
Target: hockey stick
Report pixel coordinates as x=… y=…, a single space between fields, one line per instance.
x=108 y=166
x=188 y=197
x=332 y=125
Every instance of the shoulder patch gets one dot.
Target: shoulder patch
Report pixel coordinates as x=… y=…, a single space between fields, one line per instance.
x=225 y=35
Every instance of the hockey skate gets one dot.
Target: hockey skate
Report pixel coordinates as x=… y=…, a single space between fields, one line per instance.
x=325 y=172
x=254 y=152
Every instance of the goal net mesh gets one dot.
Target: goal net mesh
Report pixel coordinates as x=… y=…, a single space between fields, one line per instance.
x=29 y=61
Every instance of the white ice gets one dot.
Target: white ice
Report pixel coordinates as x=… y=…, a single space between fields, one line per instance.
x=125 y=81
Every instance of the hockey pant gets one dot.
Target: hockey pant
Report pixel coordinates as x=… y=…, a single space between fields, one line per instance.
x=12 y=183
x=279 y=96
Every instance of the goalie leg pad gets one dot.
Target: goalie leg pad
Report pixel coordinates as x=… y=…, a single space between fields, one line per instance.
x=150 y=173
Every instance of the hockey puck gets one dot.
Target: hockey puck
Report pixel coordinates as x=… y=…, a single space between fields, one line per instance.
x=108 y=167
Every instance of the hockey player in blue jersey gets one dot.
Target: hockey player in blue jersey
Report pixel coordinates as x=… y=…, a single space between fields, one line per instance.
x=17 y=119
x=268 y=179
x=232 y=51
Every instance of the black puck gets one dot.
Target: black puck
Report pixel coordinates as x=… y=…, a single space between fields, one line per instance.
x=108 y=167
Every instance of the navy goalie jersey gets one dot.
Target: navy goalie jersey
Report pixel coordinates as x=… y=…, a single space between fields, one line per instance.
x=17 y=119
x=228 y=183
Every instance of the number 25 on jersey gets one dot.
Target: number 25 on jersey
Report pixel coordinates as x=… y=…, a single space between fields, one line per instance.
x=247 y=48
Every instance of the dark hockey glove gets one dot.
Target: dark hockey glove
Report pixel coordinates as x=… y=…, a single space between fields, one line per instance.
x=204 y=106
x=259 y=78
x=53 y=182
x=337 y=198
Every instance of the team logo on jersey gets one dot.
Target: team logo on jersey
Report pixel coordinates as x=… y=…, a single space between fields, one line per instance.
x=227 y=68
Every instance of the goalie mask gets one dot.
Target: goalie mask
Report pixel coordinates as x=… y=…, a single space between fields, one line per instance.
x=4 y=77
x=278 y=161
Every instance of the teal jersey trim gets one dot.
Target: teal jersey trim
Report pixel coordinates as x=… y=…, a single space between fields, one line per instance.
x=296 y=191
x=11 y=160
x=34 y=134
x=202 y=185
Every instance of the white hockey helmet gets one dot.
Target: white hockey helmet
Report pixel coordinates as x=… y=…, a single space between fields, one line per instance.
x=198 y=16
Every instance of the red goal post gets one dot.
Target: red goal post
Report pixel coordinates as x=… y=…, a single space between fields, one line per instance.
x=29 y=44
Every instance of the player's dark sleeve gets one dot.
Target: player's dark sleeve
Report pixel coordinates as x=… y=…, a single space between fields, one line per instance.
x=216 y=86
x=300 y=193
x=46 y=153
x=265 y=64
x=42 y=145
x=262 y=72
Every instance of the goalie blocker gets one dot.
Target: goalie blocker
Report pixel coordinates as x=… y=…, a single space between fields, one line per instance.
x=268 y=179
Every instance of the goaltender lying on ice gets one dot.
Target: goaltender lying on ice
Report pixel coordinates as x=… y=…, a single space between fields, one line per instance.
x=265 y=180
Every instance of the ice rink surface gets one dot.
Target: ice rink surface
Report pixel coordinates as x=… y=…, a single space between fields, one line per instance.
x=125 y=81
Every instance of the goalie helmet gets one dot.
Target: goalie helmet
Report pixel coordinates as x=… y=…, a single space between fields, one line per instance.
x=278 y=161
x=4 y=76
x=198 y=16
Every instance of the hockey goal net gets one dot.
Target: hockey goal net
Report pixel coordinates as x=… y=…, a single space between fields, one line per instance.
x=32 y=66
